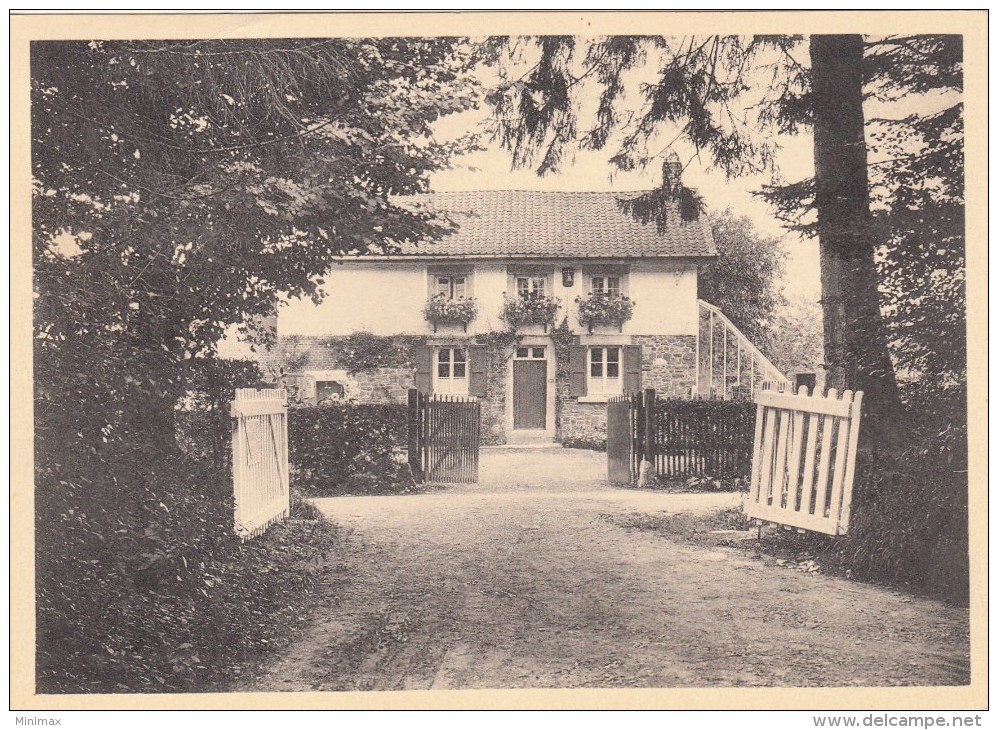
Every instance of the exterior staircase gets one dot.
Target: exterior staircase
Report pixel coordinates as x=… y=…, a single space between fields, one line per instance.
x=728 y=364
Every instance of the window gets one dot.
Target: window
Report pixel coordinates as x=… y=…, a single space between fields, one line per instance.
x=452 y=287
x=328 y=390
x=530 y=353
x=451 y=374
x=604 y=371
x=530 y=286
x=606 y=285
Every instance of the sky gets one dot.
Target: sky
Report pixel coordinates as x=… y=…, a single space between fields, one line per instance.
x=590 y=170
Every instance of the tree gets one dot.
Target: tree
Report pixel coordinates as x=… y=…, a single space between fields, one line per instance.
x=180 y=187
x=746 y=279
x=856 y=353
x=795 y=341
x=727 y=96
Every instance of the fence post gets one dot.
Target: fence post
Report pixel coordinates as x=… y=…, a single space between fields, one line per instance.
x=412 y=444
x=646 y=467
x=649 y=414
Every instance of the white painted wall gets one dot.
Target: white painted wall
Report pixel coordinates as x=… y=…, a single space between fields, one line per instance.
x=665 y=298
x=388 y=298
x=384 y=300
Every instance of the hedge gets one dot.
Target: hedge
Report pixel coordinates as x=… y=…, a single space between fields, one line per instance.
x=345 y=448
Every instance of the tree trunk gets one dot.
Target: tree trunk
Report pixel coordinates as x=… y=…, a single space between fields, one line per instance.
x=856 y=354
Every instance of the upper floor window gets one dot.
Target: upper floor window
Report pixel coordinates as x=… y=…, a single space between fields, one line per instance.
x=609 y=285
x=530 y=286
x=452 y=287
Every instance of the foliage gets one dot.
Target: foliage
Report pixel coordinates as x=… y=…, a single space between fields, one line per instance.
x=589 y=443
x=441 y=309
x=360 y=351
x=795 y=340
x=602 y=308
x=143 y=587
x=718 y=484
x=498 y=340
x=181 y=187
x=203 y=421
x=563 y=339
x=533 y=309
x=343 y=448
x=746 y=278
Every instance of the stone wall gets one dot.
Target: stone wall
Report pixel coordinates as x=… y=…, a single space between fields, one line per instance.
x=668 y=364
x=383 y=385
x=582 y=424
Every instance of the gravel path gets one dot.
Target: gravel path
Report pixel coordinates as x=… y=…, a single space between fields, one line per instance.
x=534 y=578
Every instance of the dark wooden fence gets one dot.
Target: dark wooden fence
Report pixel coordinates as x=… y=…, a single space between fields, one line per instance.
x=682 y=438
x=444 y=437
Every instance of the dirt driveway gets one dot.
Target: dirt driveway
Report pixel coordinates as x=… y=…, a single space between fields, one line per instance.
x=534 y=578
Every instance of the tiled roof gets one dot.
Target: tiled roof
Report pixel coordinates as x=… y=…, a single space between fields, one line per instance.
x=552 y=224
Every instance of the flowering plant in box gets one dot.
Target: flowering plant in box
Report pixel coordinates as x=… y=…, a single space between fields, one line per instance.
x=601 y=308
x=444 y=310
x=527 y=310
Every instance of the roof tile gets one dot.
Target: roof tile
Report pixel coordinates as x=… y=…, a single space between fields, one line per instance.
x=552 y=224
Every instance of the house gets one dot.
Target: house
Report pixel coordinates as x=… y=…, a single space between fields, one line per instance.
x=543 y=305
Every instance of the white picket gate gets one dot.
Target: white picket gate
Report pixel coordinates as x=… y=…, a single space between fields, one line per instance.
x=804 y=459
x=260 y=459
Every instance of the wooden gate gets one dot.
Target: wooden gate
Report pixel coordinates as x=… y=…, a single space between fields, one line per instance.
x=444 y=437
x=259 y=460
x=620 y=434
x=804 y=460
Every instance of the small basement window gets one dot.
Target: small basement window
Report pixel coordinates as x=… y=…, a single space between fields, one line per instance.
x=328 y=390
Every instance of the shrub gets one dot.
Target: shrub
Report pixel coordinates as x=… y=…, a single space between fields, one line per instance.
x=909 y=524
x=362 y=351
x=203 y=424
x=142 y=586
x=344 y=448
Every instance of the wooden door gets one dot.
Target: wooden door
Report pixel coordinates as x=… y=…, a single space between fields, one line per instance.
x=530 y=394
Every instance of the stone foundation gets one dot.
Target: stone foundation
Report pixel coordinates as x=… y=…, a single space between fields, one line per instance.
x=582 y=424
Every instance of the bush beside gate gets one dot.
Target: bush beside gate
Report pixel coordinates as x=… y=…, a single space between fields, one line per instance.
x=346 y=448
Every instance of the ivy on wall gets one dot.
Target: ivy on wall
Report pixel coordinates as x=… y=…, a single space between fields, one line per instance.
x=564 y=339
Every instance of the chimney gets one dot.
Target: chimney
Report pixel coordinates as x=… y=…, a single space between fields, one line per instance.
x=672 y=185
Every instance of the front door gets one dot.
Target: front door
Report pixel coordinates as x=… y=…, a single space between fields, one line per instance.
x=530 y=387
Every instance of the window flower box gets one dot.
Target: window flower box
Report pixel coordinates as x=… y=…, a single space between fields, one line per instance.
x=441 y=309
x=602 y=309
x=530 y=309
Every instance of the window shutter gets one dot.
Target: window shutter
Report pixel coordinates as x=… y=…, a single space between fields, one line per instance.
x=424 y=369
x=478 y=372
x=632 y=368
x=577 y=370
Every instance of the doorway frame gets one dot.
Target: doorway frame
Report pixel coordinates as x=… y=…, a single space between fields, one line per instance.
x=549 y=430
